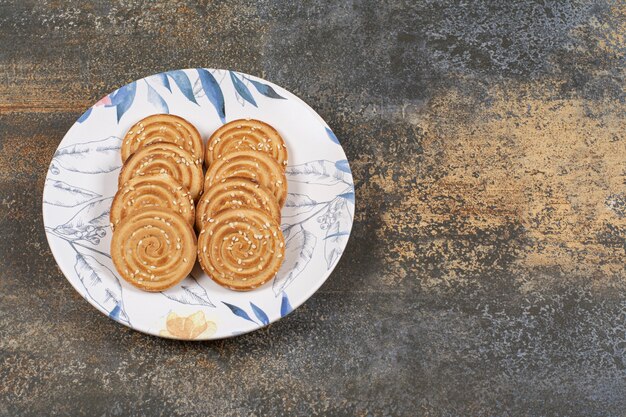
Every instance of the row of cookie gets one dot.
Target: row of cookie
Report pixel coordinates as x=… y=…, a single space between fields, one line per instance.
x=154 y=245
x=241 y=245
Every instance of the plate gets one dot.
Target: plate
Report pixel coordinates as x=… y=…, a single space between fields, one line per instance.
x=82 y=180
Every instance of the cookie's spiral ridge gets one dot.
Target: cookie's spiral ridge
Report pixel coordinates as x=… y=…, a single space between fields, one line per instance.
x=164 y=158
x=153 y=248
x=235 y=193
x=159 y=128
x=241 y=249
x=243 y=135
x=158 y=190
x=253 y=165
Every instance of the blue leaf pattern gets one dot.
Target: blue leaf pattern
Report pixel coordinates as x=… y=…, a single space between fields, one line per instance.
x=156 y=100
x=260 y=314
x=123 y=99
x=299 y=200
x=238 y=312
x=337 y=231
x=183 y=83
x=115 y=313
x=89 y=223
x=342 y=165
x=298 y=205
x=321 y=172
x=285 y=306
x=85 y=115
x=337 y=234
x=298 y=253
x=266 y=90
x=93 y=157
x=162 y=79
x=348 y=196
x=107 y=294
x=213 y=92
x=189 y=292
x=62 y=194
x=54 y=170
x=332 y=136
x=241 y=89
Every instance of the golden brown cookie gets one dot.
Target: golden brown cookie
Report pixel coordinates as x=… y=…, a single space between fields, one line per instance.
x=164 y=158
x=163 y=128
x=235 y=193
x=158 y=190
x=243 y=135
x=241 y=249
x=256 y=166
x=153 y=248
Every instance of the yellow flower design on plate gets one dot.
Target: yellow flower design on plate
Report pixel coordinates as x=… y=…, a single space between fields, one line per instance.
x=191 y=327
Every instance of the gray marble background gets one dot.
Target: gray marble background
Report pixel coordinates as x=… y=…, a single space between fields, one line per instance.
x=485 y=274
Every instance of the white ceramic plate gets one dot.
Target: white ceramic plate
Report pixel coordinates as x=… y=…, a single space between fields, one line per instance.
x=82 y=180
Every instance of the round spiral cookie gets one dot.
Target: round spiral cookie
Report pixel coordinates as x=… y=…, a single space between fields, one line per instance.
x=235 y=193
x=153 y=248
x=159 y=190
x=164 y=158
x=243 y=135
x=241 y=249
x=163 y=128
x=253 y=165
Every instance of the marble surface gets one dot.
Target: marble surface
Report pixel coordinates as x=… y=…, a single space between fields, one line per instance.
x=485 y=274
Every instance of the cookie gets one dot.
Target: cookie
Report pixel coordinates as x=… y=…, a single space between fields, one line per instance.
x=235 y=193
x=163 y=128
x=256 y=166
x=153 y=248
x=243 y=135
x=164 y=158
x=241 y=249
x=159 y=190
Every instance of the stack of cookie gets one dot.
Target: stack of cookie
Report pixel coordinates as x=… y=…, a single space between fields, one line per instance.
x=152 y=215
x=240 y=245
